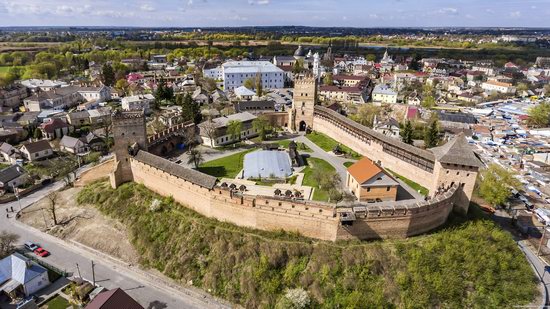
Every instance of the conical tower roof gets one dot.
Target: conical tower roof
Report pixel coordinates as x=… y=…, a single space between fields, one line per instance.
x=457 y=151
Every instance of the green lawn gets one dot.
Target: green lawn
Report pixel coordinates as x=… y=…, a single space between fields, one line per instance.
x=410 y=183
x=328 y=144
x=57 y=302
x=348 y=164
x=314 y=163
x=226 y=167
x=301 y=146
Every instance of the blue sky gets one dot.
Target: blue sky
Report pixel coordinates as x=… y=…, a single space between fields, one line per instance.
x=201 y=13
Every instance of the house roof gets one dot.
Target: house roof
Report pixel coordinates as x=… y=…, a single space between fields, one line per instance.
x=40 y=145
x=7 y=148
x=363 y=170
x=177 y=170
x=223 y=121
x=243 y=91
x=457 y=151
x=113 y=299
x=18 y=268
x=10 y=173
x=70 y=142
x=54 y=124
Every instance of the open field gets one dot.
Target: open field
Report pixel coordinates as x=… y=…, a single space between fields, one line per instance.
x=470 y=263
x=325 y=167
x=327 y=144
x=226 y=167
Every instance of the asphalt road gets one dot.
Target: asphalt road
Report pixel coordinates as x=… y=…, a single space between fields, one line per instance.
x=149 y=290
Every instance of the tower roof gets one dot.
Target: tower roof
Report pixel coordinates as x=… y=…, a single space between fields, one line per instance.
x=457 y=151
x=300 y=52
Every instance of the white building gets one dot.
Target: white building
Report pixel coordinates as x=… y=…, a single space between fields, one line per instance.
x=214 y=73
x=43 y=84
x=20 y=274
x=384 y=94
x=494 y=86
x=215 y=132
x=135 y=102
x=235 y=73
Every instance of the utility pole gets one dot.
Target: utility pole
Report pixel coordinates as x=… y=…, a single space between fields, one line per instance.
x=541 y=240
x=93 y=273
x=78 y=269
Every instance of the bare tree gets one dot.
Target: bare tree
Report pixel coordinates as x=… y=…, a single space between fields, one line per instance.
x=190 y=137
x=7 y=243
x=53 y=198
x=210 y=129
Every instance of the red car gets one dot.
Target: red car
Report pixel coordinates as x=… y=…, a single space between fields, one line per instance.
x=41 y=252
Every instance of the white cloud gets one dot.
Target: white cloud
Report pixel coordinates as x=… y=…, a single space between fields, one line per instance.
x=147 y=8
x=448 y=11
x=515 y=14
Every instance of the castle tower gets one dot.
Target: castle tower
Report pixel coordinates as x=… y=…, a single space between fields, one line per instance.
x=130 y=135
x=305 y=96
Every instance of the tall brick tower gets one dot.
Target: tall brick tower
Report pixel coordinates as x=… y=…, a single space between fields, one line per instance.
x=305 y=96
x=130 y=135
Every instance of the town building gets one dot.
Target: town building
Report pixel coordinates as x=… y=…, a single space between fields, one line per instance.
x=55 y=128
x=138 y=102
x=370 y=183
x=235 y=73
x=20 y=276
x=11 y=97
x=12 y=177
x=35 y=151
x=36 y=85
x=73 y=145
x=215 y=133
x=498 y=87
x=384 y=94
x=113 y=299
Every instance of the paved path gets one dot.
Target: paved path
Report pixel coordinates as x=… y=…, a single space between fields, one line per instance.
x=110 y=273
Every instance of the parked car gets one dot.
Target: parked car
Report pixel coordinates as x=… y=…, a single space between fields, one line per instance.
x=31 y=246
x=41 y=252
x=36 y=249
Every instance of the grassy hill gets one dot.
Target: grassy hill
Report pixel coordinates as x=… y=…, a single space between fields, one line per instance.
x=472 y=264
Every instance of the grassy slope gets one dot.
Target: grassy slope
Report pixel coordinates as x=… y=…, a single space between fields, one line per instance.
x=327 y=144
x=471 y=264
x=410 y=183
x=227 y=167
x=313 y=163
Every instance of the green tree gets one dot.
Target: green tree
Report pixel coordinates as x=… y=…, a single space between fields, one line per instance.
x=431 y=134
x=539 y=115
x=261 y=125
x=371 y=57
x=428 y=102
x=234 y=128
x=37 y=134
x=298 y=66
x=108 y=75
x=328 y=80
x=366 y=113
x=190 y=108
x=249 y=83
x=496 y=184
x=407 y=133
x=122 y=85
x=195 y=157
x=259 y=86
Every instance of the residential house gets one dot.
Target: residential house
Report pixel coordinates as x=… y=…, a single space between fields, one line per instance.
x=499 y=87
x=339 y=94
x=244 y=93
x=97 y=94
x=37 y=85
x=100 y=116
x=55 y=128
x=12 y=177
x=215 y=133
x=370 y=183
x=200 y=96
x=12 y=96
x=384 y=94
x=138 y=102
x=73 y=145
x=35 y=151
x=94 y=142
x=20 y=276
x=389 y=128
x=57 y=99
x=113 y=299
x=9 y=153
x=78 y=119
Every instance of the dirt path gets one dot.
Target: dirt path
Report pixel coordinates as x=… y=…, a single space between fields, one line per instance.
x=82 y=223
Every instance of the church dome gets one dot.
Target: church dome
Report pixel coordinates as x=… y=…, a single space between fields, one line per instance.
x=299 y=52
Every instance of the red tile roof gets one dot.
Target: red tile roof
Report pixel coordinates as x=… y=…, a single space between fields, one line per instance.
x=113 y=299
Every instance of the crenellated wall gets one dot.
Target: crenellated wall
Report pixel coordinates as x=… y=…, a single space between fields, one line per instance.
x=311 y=219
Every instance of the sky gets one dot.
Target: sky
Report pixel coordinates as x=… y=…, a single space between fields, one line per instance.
x=218 y=13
